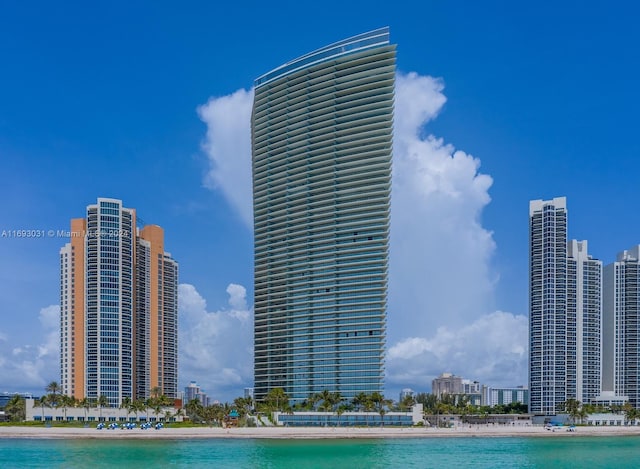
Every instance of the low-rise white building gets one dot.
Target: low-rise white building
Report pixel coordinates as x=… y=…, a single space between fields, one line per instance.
x=98 y=414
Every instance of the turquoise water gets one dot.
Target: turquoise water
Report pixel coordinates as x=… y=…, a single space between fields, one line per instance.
x=580 y=452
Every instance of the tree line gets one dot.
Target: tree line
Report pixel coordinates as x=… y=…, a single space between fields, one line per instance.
x=54 y=398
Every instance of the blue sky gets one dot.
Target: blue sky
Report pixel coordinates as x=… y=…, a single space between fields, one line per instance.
x=140 y=101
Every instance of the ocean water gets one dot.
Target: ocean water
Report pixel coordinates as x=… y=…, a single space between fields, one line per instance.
x=563 y=452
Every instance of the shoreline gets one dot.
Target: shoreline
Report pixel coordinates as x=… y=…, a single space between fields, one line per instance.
x=308 y=433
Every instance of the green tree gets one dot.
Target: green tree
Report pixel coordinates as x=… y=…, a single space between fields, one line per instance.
x=103 y=401
x=65 y=402
x=572 y=407
x=85 y=403
x=342 y=408
x=16 y=409
x=360 y=401
x=276 y=399
x=428 y=401
x=42 y=403
x=406 y=403
x=53 y=387
x=368 y=406
x=441 y=408
x=194 y=410
x=127 y=404
x=630 y=413
x=243 y=405
x=139 y=405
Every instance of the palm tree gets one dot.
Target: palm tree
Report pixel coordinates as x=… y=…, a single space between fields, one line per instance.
x=630 y=413
x=103 y=401
x=213 y=413
x=127 y=404
x=276 y=399
x=242 y=405
x=85 y=403
x=380 y=403
x=53 y=388
x=369 y=406
x=441 y=407
x=360 y=400
x=406 y=403
x=342 y=408
x=139 y=405
x=572 y=407
x=179 y=412
x=157 y=407
x=42 y=402
x=194 y=409
x=15 y=408
x=325 y=397
x=65 y=402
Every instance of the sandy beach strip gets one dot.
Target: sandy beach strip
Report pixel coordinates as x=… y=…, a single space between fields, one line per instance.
x=313 y=432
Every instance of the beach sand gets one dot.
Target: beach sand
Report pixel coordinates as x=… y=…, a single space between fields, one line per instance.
x=315 y=432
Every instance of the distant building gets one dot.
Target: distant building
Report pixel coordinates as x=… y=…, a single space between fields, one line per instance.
x=492 y=396
x=204 y=399
x=406 y=392
x=446 y=383
x=5 y=397
x=248 y=393
x=118 y=308
x=471 y=387
x=191 y=392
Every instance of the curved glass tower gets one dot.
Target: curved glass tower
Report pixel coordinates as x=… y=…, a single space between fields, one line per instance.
x=321 y=154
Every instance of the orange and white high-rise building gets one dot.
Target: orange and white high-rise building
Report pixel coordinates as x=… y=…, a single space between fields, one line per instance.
x=118 y=308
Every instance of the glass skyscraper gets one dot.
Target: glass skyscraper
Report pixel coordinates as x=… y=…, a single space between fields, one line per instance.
x=565 y=312
x=118 y=308
x=322 y=129
x=621 y=370
x=547 y=305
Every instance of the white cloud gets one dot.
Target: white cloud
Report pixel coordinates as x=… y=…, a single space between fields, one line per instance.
x=441 y=285
x=228 y=147
x=490 y=349
x=216 y=348
x=31 y=367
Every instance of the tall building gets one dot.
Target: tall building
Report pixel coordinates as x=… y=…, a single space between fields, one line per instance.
x=584 y=323
x=322 y=129
x=565 y=312
x=547 y=305
x=621 y=354
x=118 y=307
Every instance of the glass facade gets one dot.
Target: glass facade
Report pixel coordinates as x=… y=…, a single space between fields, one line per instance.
x=321 y=155
x=565 y=313
x=584 y=323
x=547 y=306
x=109 y=302
x=622 y=341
